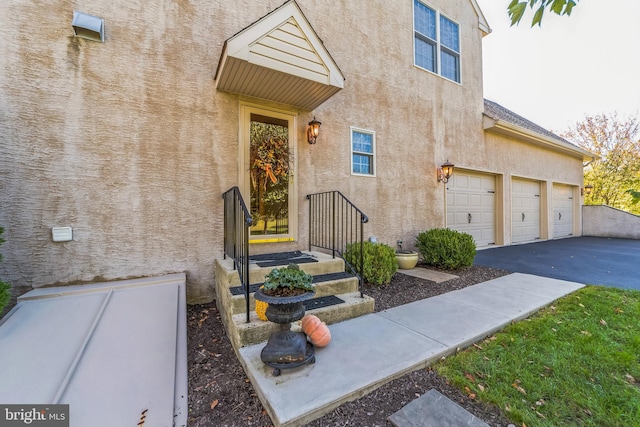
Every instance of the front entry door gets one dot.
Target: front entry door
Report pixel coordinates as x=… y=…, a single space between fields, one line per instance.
x=268 y=174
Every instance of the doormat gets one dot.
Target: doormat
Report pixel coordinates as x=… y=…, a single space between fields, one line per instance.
x=237 y=290
x=302 y=260
x=282 y=258
x=329 y=300
x=308 y=304
x=276 y=256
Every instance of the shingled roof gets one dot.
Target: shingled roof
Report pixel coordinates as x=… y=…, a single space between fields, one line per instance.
x=499 y=114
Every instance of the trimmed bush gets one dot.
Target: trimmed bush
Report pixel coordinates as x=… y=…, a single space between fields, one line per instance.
x=379 y=262
x=5 y=289
x=5 y=295
x=445 y=248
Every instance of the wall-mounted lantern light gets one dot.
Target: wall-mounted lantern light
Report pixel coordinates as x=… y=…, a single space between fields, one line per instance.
x=445 y=171
x=586 y=190
x=313 y=131
x=88 y=27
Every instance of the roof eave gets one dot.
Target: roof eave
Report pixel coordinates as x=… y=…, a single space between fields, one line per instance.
x=278 y=76
x=535 y=138
x=483 y=24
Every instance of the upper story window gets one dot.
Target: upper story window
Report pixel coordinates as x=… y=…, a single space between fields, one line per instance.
x=363 y=145
x=436 y=42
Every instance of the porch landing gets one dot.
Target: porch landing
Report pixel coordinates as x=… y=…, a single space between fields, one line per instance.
x=115 y=352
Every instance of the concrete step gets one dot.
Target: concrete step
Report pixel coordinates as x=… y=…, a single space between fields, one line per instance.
x=324 y=285
x=243 y=334
x=325 y=264
x=330 y=280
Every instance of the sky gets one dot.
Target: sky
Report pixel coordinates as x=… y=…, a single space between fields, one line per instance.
x=571 y=67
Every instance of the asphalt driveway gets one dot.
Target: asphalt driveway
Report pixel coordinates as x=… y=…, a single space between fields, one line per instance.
x=587 y=260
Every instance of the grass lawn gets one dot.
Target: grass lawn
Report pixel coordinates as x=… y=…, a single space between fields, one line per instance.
x=575 y=363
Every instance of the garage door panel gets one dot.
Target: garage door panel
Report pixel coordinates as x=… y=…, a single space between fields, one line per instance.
x=471 y=206
x=488 y=199
x=476 y=200
x=461 y=200
x=476 y=183
x=525 y=210
x=461 y=218
x=562 y=211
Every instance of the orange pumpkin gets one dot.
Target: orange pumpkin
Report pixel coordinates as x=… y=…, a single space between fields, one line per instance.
x=316 y=330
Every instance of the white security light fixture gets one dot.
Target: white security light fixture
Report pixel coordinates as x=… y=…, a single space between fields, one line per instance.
x=88 y=27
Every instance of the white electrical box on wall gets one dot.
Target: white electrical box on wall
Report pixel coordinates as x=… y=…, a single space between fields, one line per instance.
x=62 y=234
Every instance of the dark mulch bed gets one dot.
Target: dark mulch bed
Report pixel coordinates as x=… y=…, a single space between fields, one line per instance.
x=221 y=395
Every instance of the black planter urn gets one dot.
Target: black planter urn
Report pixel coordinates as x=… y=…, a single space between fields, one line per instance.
x=286 y=349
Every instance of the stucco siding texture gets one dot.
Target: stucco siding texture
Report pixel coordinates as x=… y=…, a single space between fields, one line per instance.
x=114 y=140
x=130 y=143
x=605 y=221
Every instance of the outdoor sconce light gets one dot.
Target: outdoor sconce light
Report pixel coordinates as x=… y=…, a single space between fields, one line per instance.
x=445 y=171
x=313 y=131
x=88 y=27
x=586 y=190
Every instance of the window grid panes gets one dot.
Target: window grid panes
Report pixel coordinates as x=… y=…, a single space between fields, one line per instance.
x=425 y=20
x=425 y=54
x=363 y=148
x=436 y=42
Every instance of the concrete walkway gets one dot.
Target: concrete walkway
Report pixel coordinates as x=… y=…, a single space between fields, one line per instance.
x=371 y=350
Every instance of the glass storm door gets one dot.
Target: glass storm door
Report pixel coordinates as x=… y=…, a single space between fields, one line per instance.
x=269 y=184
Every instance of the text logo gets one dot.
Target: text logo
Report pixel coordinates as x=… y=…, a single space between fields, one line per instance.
x=34 y=415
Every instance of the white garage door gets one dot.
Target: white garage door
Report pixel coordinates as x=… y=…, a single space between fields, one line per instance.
x=471 y=206
x=562 y=211
x=525 y=210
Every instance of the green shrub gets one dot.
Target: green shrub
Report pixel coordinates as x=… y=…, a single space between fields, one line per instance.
x=379 y=263
x=5 y=289
x=446 y=248
x=5 y=294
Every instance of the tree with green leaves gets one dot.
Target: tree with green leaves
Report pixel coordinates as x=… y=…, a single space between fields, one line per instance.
x=5 y=289
x=615 y=174
x=517 y=9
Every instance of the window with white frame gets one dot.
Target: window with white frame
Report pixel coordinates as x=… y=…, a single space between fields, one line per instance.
x=363 y=147
x=436 y=42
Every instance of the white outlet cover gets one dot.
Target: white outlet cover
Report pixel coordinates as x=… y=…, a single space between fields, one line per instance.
x=62 y=234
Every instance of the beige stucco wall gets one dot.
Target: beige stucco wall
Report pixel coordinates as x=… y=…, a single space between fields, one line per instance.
x=509 y=158
x=114 y=140
x=129 y=142
x=605 y=221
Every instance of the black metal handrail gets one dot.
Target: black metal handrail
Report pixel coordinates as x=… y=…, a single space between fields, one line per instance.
x=334 y=224
x=236 y=237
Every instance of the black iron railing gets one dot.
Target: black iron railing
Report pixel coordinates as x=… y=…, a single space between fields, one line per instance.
x=334 y=224
x=236 y=237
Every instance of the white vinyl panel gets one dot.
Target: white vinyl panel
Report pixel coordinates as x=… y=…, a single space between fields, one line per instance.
x=471 y=206
x=562 y=211
x=525 y=211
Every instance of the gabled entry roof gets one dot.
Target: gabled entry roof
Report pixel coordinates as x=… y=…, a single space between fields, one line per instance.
x=279 y=58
